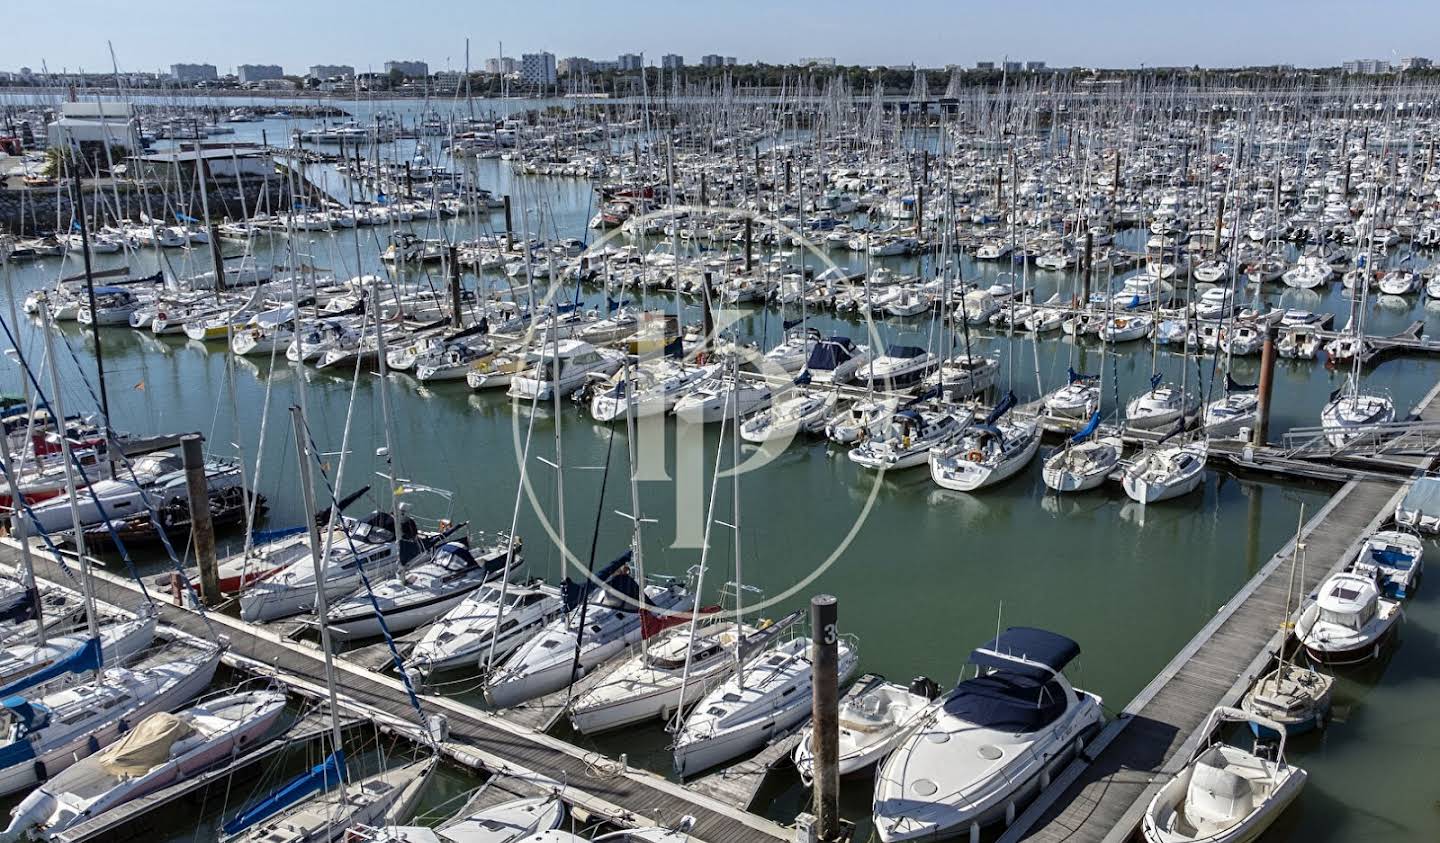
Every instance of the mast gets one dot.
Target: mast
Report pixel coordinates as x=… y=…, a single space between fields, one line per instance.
x=322 y=601
x=385 y=418
x=68 y=458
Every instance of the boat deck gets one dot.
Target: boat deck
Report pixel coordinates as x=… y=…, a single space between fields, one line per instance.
x=598 y=785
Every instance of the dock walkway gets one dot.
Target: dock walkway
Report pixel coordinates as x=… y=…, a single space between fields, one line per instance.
x=479 y=738
x=1102 y=796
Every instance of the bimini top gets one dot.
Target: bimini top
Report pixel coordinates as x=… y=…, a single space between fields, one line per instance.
x=904 y=351
x=1027 y=651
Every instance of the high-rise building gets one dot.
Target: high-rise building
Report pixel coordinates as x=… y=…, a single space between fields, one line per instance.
x=1034 y=65
x=251 y=73
x=671 y=61
x=575 y=66
x=1012 y=66
x=193 y=72
x=538 y=68
x=330 y=71
x=504 y=65
x=729 y=61
x=631 y=61
x=414 y=69
x=1414 y=63
x=1366 y=67
x=984 y=65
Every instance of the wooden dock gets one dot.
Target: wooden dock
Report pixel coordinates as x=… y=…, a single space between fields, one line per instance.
x=1102 y=796
x=597 y=785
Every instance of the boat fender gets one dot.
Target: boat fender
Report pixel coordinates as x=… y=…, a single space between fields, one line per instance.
x=40 y=772
x=974 y=456
x=92 y=745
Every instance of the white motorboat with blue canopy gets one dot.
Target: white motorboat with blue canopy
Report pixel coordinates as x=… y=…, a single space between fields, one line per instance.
x=986 y=745
x=1393 y=558
x=835 y=360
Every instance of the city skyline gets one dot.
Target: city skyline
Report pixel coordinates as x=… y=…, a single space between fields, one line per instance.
x=928 y=33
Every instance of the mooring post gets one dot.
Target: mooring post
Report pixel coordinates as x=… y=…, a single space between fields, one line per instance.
x=509 y=226
x=1267 y=383
x=455 y=311
x=825 y=711
x=202 y=531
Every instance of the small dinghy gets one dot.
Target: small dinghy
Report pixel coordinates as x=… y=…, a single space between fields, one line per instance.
x=1225 y=794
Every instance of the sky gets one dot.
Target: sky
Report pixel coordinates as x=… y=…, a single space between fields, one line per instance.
x=930 y=33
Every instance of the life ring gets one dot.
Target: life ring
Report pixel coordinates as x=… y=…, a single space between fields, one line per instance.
x=974 y=456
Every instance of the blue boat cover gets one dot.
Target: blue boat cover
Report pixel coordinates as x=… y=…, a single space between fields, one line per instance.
x=904 y=351
x=323 y=776
x=82 y=659
x=1027 y=651
x=1076 y=376
x=1392 y=558
x=575 y=592
x=1089 y=429
x=828 y=355
x=1008 y=702
x=1005 y=405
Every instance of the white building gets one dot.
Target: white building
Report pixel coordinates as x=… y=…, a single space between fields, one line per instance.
x=671 y=61
x=331 y=71
x=818 y=61
x=1035 y=65
x=631 y=61
x=1414 y=63
x=249 y=73
x=503 y=66
x=79 y=123
x=537 y=68
x=193 y=72
x=414 y=69
x=575 y=66
x=1366 y=67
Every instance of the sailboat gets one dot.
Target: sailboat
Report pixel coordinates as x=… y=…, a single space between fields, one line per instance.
x=1295 y=697
x=161 y=750
x=987 y=453
x=1350 y=416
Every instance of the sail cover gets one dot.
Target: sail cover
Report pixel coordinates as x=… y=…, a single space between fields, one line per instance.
x=82 y=659
x=146 y=747
x=322 y=776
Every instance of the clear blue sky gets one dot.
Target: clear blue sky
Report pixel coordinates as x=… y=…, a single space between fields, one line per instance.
x=365 y=33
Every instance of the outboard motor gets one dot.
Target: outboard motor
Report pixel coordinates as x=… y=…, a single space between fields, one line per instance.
x=924 y=686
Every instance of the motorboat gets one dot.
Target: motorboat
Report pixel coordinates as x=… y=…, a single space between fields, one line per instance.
x=1348 y=622
x=1419 y=510
x=908 y=438
x=742 y=715
x=989 y=743
x=801 y=411
x=563 y=366
x=1393 y=558
x=494 y=619
x=423 y=591
x=720 y=396
x=1166 y=472
x=1225 y=794
x=899 y=367
x=159 y=751
x=875 y=716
